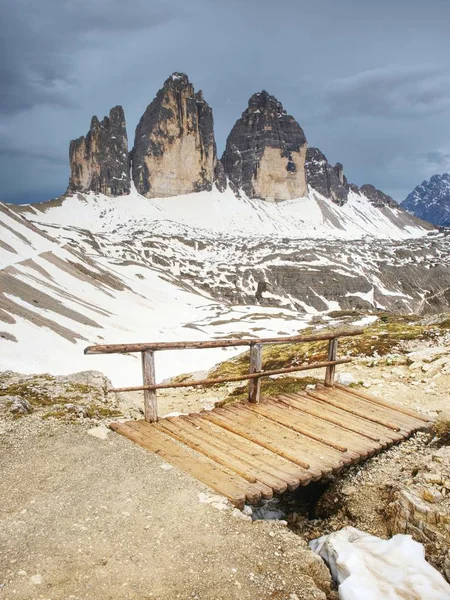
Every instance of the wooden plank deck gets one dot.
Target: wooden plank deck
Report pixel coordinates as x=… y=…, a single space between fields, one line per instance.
x=250 y=451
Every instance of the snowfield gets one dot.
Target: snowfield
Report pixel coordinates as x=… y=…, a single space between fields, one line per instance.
x=225 y=213
x=89 y=269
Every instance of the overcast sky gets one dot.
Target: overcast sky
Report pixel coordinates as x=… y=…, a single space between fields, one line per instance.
x=368 y=81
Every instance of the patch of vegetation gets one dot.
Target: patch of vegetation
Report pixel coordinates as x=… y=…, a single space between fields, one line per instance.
x=383 y=337
x=82 y=390
x=444 y=324
x=380 y=338
x=441 y=429
x=58 y=413
x=29 y=391
x=271 y=387
x=34 y=391
x=102 y=412
x=397 y=318
x=72 y=413
x=337 y=314
x=356 y=384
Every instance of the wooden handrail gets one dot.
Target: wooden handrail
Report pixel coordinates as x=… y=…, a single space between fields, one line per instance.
x=148 y=350
x=225 y=343
x=258 y=375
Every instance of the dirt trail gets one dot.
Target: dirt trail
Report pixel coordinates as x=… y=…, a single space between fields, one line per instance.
x=83 y=519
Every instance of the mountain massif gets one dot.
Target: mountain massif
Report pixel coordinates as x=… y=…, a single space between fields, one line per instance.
x=174 y=153
x=431 y=200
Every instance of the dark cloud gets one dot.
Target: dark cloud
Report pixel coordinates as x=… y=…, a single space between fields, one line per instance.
x=40 y=41
x=100 y=16
x=438 y=159
x=391 y=92
x=368 y=82
x=23 y=154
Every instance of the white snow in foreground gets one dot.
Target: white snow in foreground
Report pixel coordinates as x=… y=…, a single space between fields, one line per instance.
x=369 y=568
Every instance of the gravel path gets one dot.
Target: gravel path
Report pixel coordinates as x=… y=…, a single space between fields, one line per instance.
x=84 y=518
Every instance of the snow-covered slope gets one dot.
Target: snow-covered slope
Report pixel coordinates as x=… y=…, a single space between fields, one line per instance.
x=55 y=300
x=89 y=268
x=225 y=213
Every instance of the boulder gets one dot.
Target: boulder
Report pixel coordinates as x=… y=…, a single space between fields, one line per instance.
x=16 y=405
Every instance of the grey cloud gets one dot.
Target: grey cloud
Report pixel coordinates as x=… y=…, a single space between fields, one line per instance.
x=39 y=42
x=116 y=15
x=391 y=92
x=438 y=159
x=40 y=155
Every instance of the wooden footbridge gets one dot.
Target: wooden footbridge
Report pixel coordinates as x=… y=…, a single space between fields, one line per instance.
x=253 y=450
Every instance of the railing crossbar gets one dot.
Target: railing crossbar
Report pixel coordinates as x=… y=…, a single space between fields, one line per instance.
x=166 y=386
x=150 y=386
x=225 y=343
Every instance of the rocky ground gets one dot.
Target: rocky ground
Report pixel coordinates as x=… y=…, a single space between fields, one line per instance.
x=87 y=514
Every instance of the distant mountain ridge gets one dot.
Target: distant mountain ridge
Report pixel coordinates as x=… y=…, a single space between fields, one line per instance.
x=430 y=200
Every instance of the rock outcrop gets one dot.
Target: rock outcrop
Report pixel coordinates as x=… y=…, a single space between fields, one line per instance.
x=265 y=152
x=99 y=161
x=174 y=150
x=327 y=180
x=431 y=200
x=376 y=197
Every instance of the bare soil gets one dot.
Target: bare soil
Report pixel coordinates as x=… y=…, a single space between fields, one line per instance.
x=83 y=518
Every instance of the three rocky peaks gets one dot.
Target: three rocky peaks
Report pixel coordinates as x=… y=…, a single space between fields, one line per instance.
x=174 y=152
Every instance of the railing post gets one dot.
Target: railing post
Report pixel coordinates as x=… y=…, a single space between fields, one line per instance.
x=148 y=375
x=254 y=385
x=332 y=355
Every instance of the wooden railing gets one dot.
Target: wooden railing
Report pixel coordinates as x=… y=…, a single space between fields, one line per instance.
x=148 y=350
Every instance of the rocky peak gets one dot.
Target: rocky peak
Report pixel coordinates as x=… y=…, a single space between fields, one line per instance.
x=174 y=150
x=99 y=160
x=265 y=151
x=327 y=180
x=431 y=200
x=376 y=197
x=264 y=102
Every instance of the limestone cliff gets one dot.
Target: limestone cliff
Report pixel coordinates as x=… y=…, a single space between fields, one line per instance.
x=99 y=160
x=327 y=180
x=265 y=152
x=174 y=150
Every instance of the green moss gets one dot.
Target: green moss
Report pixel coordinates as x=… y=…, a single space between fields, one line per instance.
x=271 y=387
x=59 y=413
x=81 y=388
x=97 y=412
x=356 y=384
x=28 y=391
x=337 y=314
x=93 y=411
